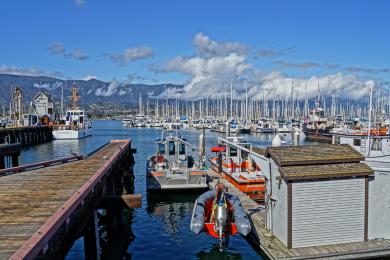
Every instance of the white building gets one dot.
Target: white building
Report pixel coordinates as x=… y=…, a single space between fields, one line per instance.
x=43 y=104
x=376 y=150
x=317 y=195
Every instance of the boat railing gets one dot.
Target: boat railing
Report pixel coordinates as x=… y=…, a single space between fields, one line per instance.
x=68 y=127
x=261 y=160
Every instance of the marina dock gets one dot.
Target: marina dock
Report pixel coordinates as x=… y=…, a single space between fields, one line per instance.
x=43 y=211
x=26 y=136
x=274 y=249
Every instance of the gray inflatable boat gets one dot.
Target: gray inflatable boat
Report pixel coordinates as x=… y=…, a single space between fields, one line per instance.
x=219 y=214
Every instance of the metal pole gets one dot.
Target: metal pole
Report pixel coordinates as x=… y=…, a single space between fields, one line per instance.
x=369 y=124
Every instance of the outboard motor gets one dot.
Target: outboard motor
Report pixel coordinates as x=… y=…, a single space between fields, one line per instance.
x=220 y=215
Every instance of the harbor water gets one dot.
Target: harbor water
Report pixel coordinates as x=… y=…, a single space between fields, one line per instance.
x=160 y=228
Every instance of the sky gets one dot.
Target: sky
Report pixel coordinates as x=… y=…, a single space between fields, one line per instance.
x=268 y=46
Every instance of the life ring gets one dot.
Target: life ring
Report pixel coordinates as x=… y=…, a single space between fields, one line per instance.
x=159 y=159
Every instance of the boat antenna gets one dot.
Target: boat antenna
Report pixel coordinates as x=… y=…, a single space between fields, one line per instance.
x=75 y=97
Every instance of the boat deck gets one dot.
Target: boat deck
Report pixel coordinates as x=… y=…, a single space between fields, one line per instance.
x=185 y=179
x=274 y=249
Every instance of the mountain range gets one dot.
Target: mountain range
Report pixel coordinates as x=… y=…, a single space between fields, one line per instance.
x=91 y=91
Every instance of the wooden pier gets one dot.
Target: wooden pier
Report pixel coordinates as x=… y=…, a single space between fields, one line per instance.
x=26 y=136
x=9 y=153
x=43 y=211
x=274 y=249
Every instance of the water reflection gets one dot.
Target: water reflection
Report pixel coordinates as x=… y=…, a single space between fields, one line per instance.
x=214 y=253
x=160 y=229
x=171 y=209
x=116 y=234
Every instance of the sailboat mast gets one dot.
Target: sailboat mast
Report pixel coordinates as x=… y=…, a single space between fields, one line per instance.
x=231 y=99
x=369 y=124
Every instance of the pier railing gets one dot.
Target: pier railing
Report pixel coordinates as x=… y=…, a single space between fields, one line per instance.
x=32 y=166
x=39 y=240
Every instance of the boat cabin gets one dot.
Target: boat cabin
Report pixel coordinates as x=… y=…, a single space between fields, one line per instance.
x=235 y=155
x=172 y=149
x=378 y=145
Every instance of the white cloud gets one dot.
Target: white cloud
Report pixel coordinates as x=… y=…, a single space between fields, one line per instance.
x=77 y=54
x=107 y=91
x=217 y=65
x=4 y=69
x=276 y=85
x=56 y=49
x=80 y=2
x=207 y=47
x=48 y=86
x=89 y=77
x=130 y=55
x=59 y=49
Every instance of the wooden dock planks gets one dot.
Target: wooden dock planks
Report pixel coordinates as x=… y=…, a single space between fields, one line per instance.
x=29 y=199
x=274 y=249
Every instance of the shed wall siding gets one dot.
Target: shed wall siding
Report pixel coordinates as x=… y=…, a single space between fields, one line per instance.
x=327 y=212
x=279 y=206
x=379 y=206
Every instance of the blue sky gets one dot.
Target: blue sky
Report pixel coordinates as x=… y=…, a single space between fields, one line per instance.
x=352 y=36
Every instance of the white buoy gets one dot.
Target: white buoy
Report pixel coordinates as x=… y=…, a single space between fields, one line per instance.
x=276 y=141
x=333 y=139
x=302 y=137
x=296 y=138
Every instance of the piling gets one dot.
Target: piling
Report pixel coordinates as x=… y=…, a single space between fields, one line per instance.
x=26 y=136
x=62 y=203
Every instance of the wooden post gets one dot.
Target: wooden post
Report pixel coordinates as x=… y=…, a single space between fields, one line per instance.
x=91 y=239
x=15 y=160
x=2 y=164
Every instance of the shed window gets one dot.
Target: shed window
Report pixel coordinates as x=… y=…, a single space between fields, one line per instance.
x=171 y=148
x=357 y=142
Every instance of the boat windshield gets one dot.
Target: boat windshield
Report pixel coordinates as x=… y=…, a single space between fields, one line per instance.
x=171 y=147
x=161 y=149
x=182 y=149
x=232 y=151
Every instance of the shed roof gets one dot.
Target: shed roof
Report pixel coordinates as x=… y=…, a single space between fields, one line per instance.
x=323 y=171
x=47 y=94
x=314 y=154
x=259 y=150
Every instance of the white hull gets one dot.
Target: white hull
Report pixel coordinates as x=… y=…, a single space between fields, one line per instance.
x=72 y=134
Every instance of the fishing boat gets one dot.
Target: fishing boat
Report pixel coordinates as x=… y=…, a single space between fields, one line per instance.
x=219 y=214
x=265 y=126
x=75 y=123
x=172 y=168
x=128 y=122
x=236 y=162
x=317 y=127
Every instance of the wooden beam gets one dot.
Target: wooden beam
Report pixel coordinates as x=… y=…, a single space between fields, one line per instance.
x=123 y=201
x=366 y=209
x=289 y=214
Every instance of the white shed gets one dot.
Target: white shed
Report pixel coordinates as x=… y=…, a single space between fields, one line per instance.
x=43 y=104
x=318 y=195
